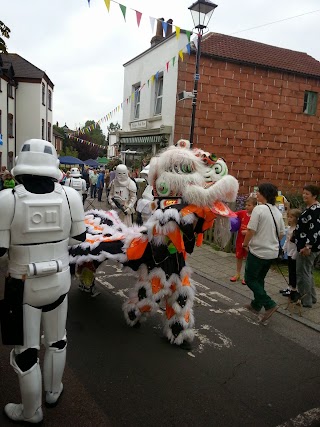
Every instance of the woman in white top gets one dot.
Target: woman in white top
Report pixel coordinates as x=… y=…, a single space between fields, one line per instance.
x=262 y=243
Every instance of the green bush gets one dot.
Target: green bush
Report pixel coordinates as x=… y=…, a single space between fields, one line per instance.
x=295 y=200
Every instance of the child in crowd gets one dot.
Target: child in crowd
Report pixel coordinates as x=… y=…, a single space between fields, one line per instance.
x=241 y=253
x=290 y=249
x=8 y=181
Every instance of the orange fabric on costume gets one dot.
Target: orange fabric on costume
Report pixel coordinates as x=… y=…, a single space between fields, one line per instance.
x=156 y=285
x=136 y=248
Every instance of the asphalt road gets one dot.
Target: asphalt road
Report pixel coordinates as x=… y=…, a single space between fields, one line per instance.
x=239 y=372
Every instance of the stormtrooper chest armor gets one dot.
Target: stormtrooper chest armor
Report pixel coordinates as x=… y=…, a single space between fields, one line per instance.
x=40 y=218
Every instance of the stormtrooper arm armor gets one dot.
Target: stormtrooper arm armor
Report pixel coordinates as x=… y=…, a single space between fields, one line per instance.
x=132 y=196
x=78 y=227
x=7 y=206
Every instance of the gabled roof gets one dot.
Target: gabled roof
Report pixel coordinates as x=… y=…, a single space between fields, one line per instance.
x=249 y=52
x=24 y=70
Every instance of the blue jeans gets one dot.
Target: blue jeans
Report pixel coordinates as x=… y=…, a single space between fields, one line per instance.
x=93 y=190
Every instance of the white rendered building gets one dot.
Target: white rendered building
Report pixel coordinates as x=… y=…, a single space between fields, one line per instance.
x=26 y=95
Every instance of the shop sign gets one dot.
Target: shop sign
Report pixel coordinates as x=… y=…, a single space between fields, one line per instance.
x=141 y=124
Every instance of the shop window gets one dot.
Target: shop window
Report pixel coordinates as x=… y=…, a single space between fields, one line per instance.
x=158 y=95
x=310 y=103
x=10 y=125
x=136 y=105
x=49 y=132
x=42 y=128
x=43 y=94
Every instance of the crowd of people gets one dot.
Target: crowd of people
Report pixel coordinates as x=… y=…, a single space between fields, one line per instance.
x=258 y=241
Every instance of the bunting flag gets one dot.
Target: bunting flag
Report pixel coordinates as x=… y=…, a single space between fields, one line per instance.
x=123 y=10
x=152 y=21
x=107 y=2
x=164 y=27
x=157 y=76
x=89 y=3
x=173 y=60
x=138 y=15
x=167 y=66
x=188 y=35
x=189 y=48
x=178 y=32
x=152 y=78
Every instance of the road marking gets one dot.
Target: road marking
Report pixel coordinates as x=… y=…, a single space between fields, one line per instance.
x=305 y=419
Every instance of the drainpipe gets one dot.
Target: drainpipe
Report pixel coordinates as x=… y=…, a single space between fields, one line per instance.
x=15 y=120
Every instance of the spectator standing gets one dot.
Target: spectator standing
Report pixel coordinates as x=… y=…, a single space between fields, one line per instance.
x=107 y=181
x=93 y=184
x=85 y=176
x=307 y=239
x=3 y=172
x=290 y=248
x=112 y=174
x=8 y=181
x=100 y=185
x=241 y=254
x=262 y=243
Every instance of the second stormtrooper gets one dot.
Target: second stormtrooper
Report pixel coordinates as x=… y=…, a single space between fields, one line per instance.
x=123 y=195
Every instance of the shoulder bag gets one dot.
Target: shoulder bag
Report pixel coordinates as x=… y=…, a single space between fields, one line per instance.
x=280 y=256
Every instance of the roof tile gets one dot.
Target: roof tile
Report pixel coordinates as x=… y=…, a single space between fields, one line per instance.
x=259 y=54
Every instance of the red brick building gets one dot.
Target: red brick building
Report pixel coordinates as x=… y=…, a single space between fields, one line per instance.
x=258 y=107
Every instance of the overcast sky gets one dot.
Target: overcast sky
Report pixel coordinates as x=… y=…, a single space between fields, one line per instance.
x=83 y=49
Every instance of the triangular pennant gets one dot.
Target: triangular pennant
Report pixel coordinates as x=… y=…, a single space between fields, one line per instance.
x=152 y=21
x=89 y=3
x=173 y=60
x=152 y=79
x=188 y=35
x=138 y=15
x=164 y=27
x=181 y=54
x=107 y=2
x=157 y=75
x=178 y=32
x=123 y=10
x=148 y=82
x=188 y=48
x=167 y=65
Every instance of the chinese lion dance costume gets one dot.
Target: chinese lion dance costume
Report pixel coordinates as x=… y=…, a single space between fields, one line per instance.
x=186 y=185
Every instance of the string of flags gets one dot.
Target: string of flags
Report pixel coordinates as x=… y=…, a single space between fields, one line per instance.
x=165 y=25
x=153 y=78
x=83 y=141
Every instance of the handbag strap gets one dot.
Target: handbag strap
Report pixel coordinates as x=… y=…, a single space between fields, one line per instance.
x=275 y=224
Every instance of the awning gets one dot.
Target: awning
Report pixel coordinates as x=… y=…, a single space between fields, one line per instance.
x=134 y=140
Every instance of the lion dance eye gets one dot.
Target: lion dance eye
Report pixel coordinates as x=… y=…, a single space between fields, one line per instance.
x=186 y=168
x=163 y=189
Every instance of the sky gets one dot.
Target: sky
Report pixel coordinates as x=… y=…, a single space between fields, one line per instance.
x=82 y=49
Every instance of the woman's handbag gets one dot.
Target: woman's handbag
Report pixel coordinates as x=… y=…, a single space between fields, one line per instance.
x=281 y=252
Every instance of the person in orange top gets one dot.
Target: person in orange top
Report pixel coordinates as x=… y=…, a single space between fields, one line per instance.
x=241 y=253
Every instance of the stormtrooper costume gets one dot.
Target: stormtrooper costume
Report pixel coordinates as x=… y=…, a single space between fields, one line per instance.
x=77 y=182
x=38 y=220
x=123 y=195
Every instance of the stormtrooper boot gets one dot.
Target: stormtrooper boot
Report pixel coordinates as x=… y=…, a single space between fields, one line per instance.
x=31 y=389
x=54 y=363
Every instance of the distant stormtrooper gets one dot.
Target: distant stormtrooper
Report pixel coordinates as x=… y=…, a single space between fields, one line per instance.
x=123 y=195
x=38 y=220
x=77 y=182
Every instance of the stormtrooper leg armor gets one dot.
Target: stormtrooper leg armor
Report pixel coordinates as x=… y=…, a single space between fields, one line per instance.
x=54 y=324
x=25 y=363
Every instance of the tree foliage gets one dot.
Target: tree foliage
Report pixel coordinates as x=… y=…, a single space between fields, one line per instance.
x=5 y=31
x=113 y=127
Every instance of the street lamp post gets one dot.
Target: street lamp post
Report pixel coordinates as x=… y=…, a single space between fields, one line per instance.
x=201 y=12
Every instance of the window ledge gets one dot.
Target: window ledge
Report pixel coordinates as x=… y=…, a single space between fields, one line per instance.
x=155 y=118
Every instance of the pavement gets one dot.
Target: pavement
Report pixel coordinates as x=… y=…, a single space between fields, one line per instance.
x=219 y=266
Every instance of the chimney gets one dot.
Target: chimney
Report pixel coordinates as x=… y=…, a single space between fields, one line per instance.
x=159 y=33
x=169 y=29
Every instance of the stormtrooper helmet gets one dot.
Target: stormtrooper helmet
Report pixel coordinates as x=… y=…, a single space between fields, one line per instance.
x=122 y=174
x=75 y=173
x=37 y=157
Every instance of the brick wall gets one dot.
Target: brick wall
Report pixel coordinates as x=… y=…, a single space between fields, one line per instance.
x=254 y=119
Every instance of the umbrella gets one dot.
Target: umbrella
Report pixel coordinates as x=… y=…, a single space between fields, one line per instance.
x=69 y=160
x=91 y=162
